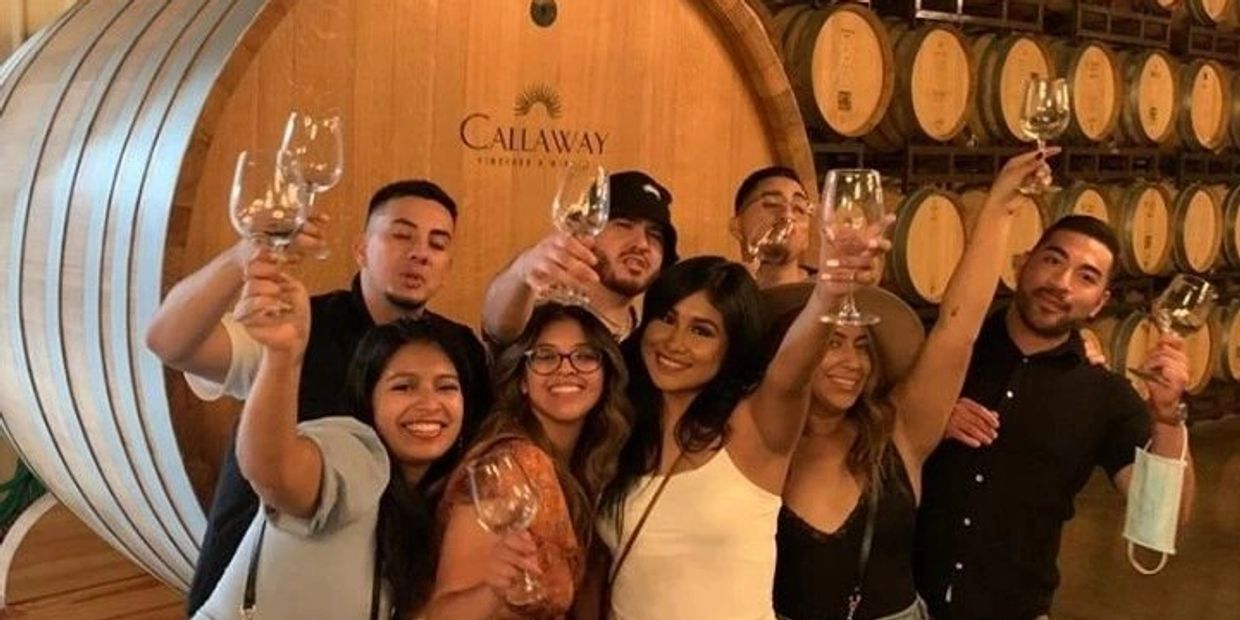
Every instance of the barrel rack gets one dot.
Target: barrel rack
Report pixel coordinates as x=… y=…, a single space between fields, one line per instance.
x=1101 y=21
x=1024 y=15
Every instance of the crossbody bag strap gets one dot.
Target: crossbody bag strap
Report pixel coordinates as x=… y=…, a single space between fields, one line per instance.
x=867 y=543
x=628 y=545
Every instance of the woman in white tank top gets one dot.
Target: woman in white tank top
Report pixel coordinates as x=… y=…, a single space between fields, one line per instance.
x=719 y=433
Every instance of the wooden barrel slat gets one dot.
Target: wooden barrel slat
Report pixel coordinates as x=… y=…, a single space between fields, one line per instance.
x=1197 y=227
x=1151 y=100
x=1141 y=217
x=1226 y=325
x=840 y=63
x=1097 y=88
x=1231 y=227
x=927 y=243
x=1004 y=65
x=1205 y=105
x=1079 y=198
x=1209 y=12
x=1027 y=226
x=925 y=106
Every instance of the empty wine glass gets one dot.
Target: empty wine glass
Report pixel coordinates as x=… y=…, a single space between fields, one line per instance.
x=506 y=502
x=263 y=207
x=580 y=208
x=1044 y=114
x=311 y=156
x=1182 y=308
x=852 y=200
x=770 y=244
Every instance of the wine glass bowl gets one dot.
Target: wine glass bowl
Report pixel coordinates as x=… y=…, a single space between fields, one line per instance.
x=1182 y=308
x=262 y=206
x=852 y=200
x=770 y=244
x=312 y=152
x=505 y=501
x=581 y=207
x=1046 y=110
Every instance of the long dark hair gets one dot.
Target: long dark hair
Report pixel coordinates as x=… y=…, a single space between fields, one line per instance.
x=732 y=291
x=404 y=536
x=606 y=427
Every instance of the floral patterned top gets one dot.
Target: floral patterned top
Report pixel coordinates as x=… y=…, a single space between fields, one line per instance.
x=560 y=555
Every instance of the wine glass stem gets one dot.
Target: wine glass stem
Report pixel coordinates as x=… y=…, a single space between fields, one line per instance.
x=849 y=306
x=1041 y=144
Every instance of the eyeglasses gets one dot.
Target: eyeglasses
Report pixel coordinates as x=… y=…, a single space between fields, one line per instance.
x=546 y=360
x=799 y=207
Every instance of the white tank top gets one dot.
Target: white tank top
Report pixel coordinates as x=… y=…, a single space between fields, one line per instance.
x=707 y=550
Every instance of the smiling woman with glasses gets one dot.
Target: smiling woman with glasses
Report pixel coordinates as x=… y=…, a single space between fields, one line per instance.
x=562 y=414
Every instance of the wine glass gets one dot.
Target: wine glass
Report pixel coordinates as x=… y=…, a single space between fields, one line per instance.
x=505 y=501
x=770 y=244
x=1044 y=114
x=852 y=200
x=581 y=207
x=264 y=207
x=311 y=156
x=1182 y=308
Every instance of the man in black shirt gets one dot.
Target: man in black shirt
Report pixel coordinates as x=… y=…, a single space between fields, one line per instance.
x=1035 y=419
x=403 y=256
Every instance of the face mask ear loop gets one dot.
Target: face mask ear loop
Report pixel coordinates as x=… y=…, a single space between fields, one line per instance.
x=1162 y=562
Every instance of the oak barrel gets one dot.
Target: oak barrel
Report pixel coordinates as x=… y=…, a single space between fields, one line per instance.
x=1209 y=12
x=1027 y=226
x=934 y=87
x=1079 y=198
x=1205 y=105
x=1140 y=214
x=1151 y=97
x=122 y=119
x=840 y=63
x=1096 y=83
x=1004 y=64
x=1196 y=228
x=1231 y=230
x=927 y=242
x=1226 y=329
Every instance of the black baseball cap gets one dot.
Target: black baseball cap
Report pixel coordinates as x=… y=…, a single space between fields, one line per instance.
x=636 y=195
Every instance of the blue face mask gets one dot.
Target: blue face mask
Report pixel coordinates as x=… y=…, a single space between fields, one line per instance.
x=1153 y=513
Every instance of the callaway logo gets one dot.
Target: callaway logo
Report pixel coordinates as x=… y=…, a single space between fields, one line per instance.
x=539 y=94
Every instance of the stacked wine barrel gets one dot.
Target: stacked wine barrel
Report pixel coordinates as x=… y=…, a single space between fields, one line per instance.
x=885 y=84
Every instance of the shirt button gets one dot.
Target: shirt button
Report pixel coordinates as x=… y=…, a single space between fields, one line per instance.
x=959 y=566
x=979 y=478
x=1009 y=394
x=968 y=522
x=1024 y=360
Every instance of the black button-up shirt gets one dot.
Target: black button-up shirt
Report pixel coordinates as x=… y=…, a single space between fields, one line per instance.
x=990 y=520
x=338 y=321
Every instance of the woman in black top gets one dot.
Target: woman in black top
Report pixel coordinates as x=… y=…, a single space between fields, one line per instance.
x=880 y=404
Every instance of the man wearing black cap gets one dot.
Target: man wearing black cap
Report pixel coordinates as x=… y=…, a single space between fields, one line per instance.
x=613 y=268
x=765 y=196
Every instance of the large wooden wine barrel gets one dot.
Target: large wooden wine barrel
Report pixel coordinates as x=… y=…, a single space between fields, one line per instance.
x=1205 y=105
x=1027 y=227
x=1196 y=229
x=121 y=122
x=840 y=63
x=1094 y=79
x=927 y=242
x=1004 y=64
x=1140 y=214
x=1225 y=325
x=1151 y=99
x=1079 y=198
x=933 y=90
x=1209 y=12
x=1231 y=227
x=1126 y=338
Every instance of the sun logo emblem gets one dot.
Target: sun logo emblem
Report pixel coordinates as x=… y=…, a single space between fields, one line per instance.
x=539 y=94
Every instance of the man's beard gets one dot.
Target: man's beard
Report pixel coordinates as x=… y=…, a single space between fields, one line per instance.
x=1024 y=308
x=627 y=288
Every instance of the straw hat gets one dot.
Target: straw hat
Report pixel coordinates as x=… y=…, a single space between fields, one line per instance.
x=897 y=337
